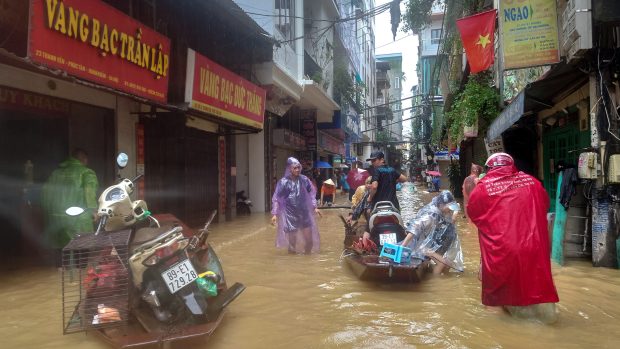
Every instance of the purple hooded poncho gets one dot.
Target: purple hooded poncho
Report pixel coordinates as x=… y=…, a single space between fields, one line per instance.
x=293 y=203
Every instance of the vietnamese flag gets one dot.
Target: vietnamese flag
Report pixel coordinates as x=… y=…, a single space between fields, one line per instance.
x=477 y=34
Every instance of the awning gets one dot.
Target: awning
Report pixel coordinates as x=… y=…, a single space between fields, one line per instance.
x=314 y=97
x=509 y=116
x=560 y=81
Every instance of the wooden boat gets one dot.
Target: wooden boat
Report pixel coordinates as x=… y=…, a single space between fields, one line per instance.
x=371 y=267
x=381 y=269
x=145 y=330
x=142 y=329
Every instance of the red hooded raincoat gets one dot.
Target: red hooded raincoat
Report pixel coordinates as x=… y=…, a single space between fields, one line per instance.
x=509 y=208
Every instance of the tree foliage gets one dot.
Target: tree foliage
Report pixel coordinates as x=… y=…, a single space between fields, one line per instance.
x=346 y=91
x=382 y=137
x=479 y=100
x=417 y=14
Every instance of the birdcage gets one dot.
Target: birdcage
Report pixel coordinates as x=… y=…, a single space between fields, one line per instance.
x=95 y=281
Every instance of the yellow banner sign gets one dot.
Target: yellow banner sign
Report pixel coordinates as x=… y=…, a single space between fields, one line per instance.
x=529 y=33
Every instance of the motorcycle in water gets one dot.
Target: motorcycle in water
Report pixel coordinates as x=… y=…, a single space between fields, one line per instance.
x=243 y=204
x=386 y=227
x=385 y=224
x=144 y=279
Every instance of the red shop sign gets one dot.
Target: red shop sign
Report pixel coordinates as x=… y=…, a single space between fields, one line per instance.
x=213 y=89
x=94 y=41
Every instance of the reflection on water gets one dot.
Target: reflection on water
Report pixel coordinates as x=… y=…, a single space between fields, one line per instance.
x=316 y=302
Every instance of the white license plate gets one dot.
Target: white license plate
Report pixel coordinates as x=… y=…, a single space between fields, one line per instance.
x=179 y=275
x=389 y=238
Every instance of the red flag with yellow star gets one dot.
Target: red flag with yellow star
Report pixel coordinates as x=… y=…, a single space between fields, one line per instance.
x=477 y=34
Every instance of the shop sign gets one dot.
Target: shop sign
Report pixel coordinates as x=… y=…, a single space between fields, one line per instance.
x=288 y=138
x=308 y=130
x=444 y=155
x=22 y=100
x=529 y=33
x=352 y=125
x=94 y=41
x=213 y=89
x=331 y=144
x=494 y=146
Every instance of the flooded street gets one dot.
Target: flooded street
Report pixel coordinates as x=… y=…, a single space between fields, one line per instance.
x=316 y=302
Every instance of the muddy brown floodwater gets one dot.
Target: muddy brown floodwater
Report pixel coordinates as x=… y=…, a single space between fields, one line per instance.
x=316 y=302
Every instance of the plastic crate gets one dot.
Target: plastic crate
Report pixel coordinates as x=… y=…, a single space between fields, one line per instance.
x=398 y=254
x=95 y=281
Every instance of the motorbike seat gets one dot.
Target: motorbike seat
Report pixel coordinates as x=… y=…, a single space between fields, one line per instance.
x=384 y=212
x=147 y=237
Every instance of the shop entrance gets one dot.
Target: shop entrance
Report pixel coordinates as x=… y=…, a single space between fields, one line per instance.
x=181 y=169
x=561 y=144
x=37 y=133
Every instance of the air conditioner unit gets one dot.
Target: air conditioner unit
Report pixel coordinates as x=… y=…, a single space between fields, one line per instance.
x=576 y=32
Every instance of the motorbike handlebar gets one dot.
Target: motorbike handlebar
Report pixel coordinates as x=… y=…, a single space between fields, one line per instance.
x=102 y=223
x=137 y=178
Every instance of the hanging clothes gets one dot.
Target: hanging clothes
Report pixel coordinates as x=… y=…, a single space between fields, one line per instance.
x=569 y=186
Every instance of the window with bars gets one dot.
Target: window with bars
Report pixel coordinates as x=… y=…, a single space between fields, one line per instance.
x=285 y=23
x=435 y=36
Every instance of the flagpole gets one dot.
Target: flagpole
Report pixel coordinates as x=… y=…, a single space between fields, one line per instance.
x=500 y=60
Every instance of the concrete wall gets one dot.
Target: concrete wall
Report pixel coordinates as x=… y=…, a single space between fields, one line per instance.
x=257 y=169
x=242 y=162
x=429 y=49
x=126 y=133
x=319 y=36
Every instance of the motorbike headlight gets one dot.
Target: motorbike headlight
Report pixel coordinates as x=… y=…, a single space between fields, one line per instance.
x=115 y=194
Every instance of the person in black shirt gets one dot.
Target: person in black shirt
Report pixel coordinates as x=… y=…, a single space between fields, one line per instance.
x=384 y=179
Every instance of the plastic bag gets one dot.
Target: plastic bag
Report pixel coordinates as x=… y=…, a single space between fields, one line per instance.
x=207 y=283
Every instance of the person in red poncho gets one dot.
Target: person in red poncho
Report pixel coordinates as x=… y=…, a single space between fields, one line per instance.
x=509 y=209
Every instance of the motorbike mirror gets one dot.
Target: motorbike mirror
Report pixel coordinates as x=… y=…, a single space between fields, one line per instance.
x=74 y=211
x=121 y=160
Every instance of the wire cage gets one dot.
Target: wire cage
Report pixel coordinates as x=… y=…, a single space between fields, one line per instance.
x=95 y=281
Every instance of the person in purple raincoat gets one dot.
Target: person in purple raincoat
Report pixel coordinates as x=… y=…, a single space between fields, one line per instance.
x=293 y=209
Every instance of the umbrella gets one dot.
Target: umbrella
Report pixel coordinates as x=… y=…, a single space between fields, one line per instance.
x=358 y=177
x=322 y=164
x=341 y=165
x=434 y=173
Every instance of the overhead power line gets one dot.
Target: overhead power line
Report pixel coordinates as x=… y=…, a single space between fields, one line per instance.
x=392 y=102
x=396 y=122
x=370 y=13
